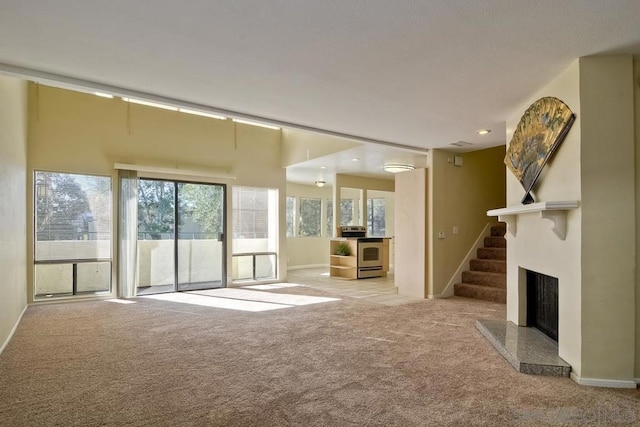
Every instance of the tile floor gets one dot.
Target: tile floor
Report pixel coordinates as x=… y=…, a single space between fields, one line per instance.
x=379 y=290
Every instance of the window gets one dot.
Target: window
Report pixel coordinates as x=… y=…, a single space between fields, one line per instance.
x=291 y=216
x=250 y=215
x=72 y=252
x=255 y=233
x=376 y=225
x=329 y=211
x=346 y=212
x=310 y=217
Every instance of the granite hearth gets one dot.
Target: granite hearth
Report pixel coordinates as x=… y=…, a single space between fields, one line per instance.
x=527 y=349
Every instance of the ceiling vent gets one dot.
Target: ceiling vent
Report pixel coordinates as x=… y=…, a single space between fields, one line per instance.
x=461 y=144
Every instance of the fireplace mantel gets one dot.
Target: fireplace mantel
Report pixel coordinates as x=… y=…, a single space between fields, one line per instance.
x=556 y=212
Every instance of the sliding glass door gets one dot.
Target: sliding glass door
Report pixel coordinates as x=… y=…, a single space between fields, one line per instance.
x=180 y=236
x=200 y=236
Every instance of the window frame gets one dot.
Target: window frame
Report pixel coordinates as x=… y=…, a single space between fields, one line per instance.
x=72 y=261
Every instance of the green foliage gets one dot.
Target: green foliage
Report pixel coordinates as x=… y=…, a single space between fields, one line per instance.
x=310 y=214
x=155 y=207
x=343 y=249
x=200 y=207
x=204 y=204
x=62 y=206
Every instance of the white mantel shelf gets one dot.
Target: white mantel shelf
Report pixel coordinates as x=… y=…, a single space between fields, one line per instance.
x=556 y=212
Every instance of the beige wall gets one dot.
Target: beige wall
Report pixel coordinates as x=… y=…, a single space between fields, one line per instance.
x=608 y=217
x=637 y=126
x=460 y=197
x=309 y=251
x=411 y=230
x=596 y=262
x=299 y=146
x=81 y=133
x=13 y=217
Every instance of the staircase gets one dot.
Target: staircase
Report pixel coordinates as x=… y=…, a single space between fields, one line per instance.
x=487 y=279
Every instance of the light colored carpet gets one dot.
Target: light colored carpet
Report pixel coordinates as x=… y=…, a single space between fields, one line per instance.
x=336 y=363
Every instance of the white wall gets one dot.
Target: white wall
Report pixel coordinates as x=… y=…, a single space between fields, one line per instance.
x=13 y=218
x=535 y=246
x=411 y=230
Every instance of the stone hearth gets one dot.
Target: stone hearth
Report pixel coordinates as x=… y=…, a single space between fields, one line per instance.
x=527 y=349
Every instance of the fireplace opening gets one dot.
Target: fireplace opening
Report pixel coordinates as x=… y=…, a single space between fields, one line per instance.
x=542 y=303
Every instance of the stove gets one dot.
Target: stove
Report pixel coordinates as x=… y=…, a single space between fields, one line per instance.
x=369 y=250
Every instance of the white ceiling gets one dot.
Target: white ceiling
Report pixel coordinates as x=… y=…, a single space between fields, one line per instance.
x=411 y=72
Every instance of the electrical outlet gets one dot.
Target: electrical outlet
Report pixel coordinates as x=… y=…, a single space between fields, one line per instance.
x=455 y=229
x=441 y=235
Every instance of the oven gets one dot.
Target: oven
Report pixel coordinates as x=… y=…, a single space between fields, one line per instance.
x=369 y=257
x=369 y=250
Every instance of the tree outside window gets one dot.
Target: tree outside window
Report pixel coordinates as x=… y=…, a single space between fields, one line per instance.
x=376 y=225
x=291 y=216
x=310 y=217
x=346 y=212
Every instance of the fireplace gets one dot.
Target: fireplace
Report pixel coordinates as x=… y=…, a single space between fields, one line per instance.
x=542 y=303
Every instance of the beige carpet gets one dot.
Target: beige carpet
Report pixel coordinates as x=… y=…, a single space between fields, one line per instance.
x=340 y=363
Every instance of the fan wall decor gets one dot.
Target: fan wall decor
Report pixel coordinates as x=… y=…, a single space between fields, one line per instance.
x=539 y=133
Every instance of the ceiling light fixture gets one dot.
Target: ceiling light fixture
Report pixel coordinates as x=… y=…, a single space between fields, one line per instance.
x=321 y=183
x=398 y=167
x=202 y=113
x=150 y=104
x=483 y=131
x=323 y=167
x=262 y=125
x=355 y=159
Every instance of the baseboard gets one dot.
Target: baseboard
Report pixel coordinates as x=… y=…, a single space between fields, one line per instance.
x=13 y=330
x=302 y=267
x=465 y=264
x=599 y=382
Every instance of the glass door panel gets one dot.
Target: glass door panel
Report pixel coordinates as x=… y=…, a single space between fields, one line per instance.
x=201 y=246
x=156 y=238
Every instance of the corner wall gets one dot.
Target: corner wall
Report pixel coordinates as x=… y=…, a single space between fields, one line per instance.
x=460 y=197
x=636 y=94
x=411 y=233
x=608 y=217
x=597 y=262
x=13 y=218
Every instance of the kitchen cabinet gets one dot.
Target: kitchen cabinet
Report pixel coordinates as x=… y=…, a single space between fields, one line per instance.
x=348 y=267
x=343 y=266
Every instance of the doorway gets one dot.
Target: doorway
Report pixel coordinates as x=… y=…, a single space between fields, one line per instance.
x=181 y=242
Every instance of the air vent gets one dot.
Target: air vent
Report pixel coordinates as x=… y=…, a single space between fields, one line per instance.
x=461 y=144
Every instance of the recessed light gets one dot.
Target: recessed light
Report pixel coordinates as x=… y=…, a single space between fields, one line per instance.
x=483 y=131
x=323 y=167
x=355 y=159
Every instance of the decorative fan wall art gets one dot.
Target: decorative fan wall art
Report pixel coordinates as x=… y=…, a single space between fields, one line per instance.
x=539 y=133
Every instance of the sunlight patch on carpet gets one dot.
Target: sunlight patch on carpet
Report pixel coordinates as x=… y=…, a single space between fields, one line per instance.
x=248 y=295
x=212 y=301
x=120 y=301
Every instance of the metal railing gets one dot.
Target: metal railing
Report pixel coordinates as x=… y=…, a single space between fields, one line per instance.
x=254 y=256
